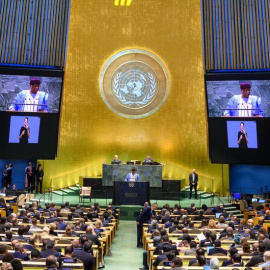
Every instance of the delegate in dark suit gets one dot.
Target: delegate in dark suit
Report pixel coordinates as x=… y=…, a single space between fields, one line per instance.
x=193 y=182
x=93 y=238
x=144 y=217
x=85 y=257
x=20 y=255
x=216 y=250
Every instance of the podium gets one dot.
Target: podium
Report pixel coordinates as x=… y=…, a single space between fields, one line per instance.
x=130 y=193
x=118 y=172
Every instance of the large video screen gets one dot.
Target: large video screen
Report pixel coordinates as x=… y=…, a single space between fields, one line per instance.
x=238 y=107
x=30 y=102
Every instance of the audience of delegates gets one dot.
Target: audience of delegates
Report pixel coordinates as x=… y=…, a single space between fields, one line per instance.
x=25 y=239
x=234 y=232
x=178 y=221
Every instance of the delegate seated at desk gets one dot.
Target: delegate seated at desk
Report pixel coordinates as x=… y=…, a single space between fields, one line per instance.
x=148 y=160
x=133 y=176
x=116 y=160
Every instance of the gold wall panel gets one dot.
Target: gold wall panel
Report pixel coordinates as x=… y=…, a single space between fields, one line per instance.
x=176 y=135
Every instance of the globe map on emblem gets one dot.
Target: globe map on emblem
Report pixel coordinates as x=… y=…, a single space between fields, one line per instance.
x=134 y=85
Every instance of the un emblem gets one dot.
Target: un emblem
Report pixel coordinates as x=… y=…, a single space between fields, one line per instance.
x=134 y=83
x=131 y=184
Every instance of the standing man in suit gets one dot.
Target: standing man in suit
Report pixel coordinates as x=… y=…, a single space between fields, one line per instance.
x=40 y=175
x=9 y=176
x=193 y=182
x=144 y=217
x=4 y=176
x=30 y=177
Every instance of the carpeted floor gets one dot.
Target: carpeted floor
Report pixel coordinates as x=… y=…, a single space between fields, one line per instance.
x=125 y=253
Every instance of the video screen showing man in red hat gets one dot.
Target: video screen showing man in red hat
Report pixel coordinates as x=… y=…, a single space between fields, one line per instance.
x=31 y=100
x=244 y=105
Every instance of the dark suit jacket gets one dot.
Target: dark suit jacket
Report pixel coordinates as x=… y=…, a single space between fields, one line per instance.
x=93 y=238
x=255 y=260
x=29 y=247
x=159 y=259
x=173 y=228
x=145 y=215
x=202 y=243
x=198 y=218
x=227 y=263
x=160 y=247
x=52 y=219
x=19 y=255
x=46 y=253
x=86 y=258
x=19 y=237
x=217 y=250
x=196 y=179
x=62 y=225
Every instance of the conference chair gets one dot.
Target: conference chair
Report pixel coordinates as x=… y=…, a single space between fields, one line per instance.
x=85 y=192
x=21 y=200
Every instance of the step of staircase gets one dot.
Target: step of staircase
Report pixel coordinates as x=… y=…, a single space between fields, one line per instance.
x=59 y=192
x=206 y=196
x=67 y=190
x=74 y=188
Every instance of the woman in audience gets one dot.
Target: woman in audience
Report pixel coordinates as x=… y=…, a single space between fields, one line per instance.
x=68 y=232
x=38 y=239
x=184 y=244
x=243 y=222
x=97 y=228
x=57 y=225
x=246 y=249
x=52 y=229
x=110 y=215
x=212 y=224
x=45 y=232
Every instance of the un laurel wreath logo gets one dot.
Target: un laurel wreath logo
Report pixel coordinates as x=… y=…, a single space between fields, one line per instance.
x=134 y=83
x=134 y=88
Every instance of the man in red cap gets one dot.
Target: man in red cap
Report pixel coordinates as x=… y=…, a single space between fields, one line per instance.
x=244 y=105
x=133 y=176
x=31 y=100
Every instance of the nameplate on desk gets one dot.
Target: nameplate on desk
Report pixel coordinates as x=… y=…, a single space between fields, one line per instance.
x=131 y=195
